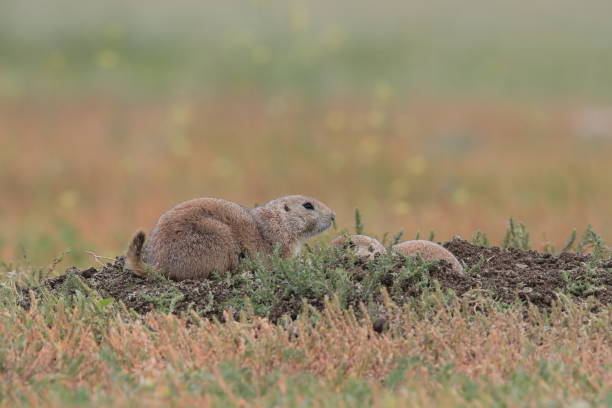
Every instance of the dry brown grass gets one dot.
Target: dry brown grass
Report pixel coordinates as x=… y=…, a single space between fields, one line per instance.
x=443 y=354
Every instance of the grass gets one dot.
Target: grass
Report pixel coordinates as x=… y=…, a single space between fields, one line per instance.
x=440 y=351
x=516 y=235
x=73 y=347
x=426 y=117
x=590 y=282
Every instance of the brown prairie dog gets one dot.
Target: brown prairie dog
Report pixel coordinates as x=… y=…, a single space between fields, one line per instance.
x=204 y=234
x=362 y=245
x=429 y=251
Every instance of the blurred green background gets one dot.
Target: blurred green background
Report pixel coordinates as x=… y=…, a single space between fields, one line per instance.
x=438 y=115
x=543 y=49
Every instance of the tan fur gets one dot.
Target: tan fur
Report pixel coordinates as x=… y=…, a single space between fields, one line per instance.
x=198 y=236
x=362 y=245
x=428 y=250
x=133 y=257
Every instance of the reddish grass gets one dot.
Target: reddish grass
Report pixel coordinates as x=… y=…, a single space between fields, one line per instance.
x=110 y=166
x=161 y=359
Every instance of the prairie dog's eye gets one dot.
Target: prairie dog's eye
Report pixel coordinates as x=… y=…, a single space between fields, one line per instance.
x=308 y=206
x=286 y=207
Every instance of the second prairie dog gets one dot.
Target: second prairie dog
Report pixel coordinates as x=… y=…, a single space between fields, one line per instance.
x=204 y=234
x=365 y=246
x=428 y=251
x=361 y=245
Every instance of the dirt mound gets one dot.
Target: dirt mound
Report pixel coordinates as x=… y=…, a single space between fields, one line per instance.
x=505 y=274
x=534 y=276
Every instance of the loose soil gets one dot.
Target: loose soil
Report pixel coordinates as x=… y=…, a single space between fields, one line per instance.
x=506 y=274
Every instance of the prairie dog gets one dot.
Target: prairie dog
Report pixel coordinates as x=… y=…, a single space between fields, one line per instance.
x=362 y=245
x=204 y=234
x=428 y=250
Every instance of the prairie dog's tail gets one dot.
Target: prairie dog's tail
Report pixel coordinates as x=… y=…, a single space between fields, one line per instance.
x=133 y=257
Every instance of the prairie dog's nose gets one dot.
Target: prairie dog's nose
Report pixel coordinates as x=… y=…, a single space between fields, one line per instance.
x=333 y=216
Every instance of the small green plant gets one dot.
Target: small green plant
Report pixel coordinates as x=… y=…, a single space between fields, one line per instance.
x=474 y=269
x=481 y=239
x=166 y=301
x=586 y=285
x=589 y=282
x=156 y=275
x=570 y=242
x=417 y=271
x=516 y=235
x=549 y=248
x=74 y=285
x=397 y=238
x=359 y=228
x=591 y=240
x=276 y=281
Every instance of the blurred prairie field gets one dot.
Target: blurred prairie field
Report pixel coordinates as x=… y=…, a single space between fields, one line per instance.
x=520 y=50
x=425 y=116
x=87 y=174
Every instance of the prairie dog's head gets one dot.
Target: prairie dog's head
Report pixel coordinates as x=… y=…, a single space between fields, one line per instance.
x=304 y=216
x=362 y=245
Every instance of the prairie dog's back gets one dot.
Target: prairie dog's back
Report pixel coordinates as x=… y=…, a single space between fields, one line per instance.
x=429 y=251
x=200 y=235
x=189 y=219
